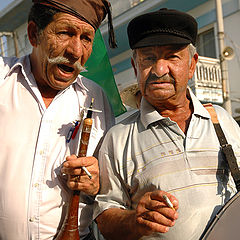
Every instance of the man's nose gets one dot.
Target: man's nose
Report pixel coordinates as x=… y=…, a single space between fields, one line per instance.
x=160 y=67
x=75 y=48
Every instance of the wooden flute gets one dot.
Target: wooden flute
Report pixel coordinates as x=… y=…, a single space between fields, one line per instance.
x=69 y=229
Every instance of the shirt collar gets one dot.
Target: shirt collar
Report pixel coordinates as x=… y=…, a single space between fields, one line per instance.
x=23 y=63
x=198 y=108
x=149 y=114
x=79 y=82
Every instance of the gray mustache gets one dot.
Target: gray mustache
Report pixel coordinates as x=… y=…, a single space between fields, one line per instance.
x=164 y=78
x=63 y=60
x=153 y=78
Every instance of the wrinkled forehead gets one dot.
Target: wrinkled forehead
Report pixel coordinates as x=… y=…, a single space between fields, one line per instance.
x=65 y=20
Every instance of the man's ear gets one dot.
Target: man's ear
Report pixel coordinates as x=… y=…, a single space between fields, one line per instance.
x=134 y=67
x=193 y=65
x=32 y=31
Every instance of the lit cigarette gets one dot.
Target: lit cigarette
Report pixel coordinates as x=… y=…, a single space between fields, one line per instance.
x=87 y=172
x=168 y=202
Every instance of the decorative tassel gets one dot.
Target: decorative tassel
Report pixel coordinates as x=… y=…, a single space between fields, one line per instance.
x=111 y=39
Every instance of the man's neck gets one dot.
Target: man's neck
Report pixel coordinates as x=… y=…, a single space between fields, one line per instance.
x=181 y=114
x=47 y=93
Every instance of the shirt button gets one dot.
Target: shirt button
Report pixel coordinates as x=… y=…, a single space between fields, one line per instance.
x=36 y=185
x=31 y=219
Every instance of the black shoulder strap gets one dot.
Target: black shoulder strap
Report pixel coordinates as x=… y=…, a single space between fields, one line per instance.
x=225 y=147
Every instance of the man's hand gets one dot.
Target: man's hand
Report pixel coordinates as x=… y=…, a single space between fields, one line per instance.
x=153 y=214
x=77 y=178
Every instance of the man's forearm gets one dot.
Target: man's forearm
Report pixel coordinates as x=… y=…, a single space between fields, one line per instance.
x=118 y=224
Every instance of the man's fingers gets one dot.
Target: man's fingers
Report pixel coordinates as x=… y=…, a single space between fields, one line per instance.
x=83 y=183
x=74 y=166
x=162 y=208
x=73 y=162
x=147 y=222
x=156 y=217
x=74 y=171
x=153 y=213
x=83 y=174
x=158 y=212
x=159 y=196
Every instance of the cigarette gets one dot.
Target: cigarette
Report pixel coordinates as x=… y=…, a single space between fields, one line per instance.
x=87 y=172
x=168 y=202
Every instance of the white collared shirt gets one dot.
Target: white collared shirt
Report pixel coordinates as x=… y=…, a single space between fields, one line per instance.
x=33 y=146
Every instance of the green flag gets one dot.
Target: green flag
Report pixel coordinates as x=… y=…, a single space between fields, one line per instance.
x=100 y=71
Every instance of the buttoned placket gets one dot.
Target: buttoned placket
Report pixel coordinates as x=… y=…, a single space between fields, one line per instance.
x=38 y=174
x=40 y=158
x=41 y=153
x=179 y=137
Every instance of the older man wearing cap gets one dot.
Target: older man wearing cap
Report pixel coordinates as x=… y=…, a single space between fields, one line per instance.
x=41 y=98
x=162 y=175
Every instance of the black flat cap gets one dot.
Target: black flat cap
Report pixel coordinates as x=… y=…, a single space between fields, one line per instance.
x=163 y=27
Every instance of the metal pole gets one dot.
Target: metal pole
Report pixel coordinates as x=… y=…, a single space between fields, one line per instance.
x=2 y=48
x=223 y=64
x=15 y=44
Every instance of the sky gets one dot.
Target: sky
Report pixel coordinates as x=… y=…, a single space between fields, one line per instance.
x=4 y=3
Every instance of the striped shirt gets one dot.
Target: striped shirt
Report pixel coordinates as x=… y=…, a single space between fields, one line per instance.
x=147 y=152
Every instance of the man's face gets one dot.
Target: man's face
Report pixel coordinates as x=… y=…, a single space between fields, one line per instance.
x=163 y=73
x=60 y=51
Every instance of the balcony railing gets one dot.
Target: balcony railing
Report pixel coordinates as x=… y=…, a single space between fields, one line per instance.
x=207 y=80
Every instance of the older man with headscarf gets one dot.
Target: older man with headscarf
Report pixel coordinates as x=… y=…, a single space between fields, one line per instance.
x=41 y=98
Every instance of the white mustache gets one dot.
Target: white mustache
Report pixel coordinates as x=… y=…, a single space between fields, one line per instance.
x=63 y=60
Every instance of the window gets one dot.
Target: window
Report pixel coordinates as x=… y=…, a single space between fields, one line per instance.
x=206 y=46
